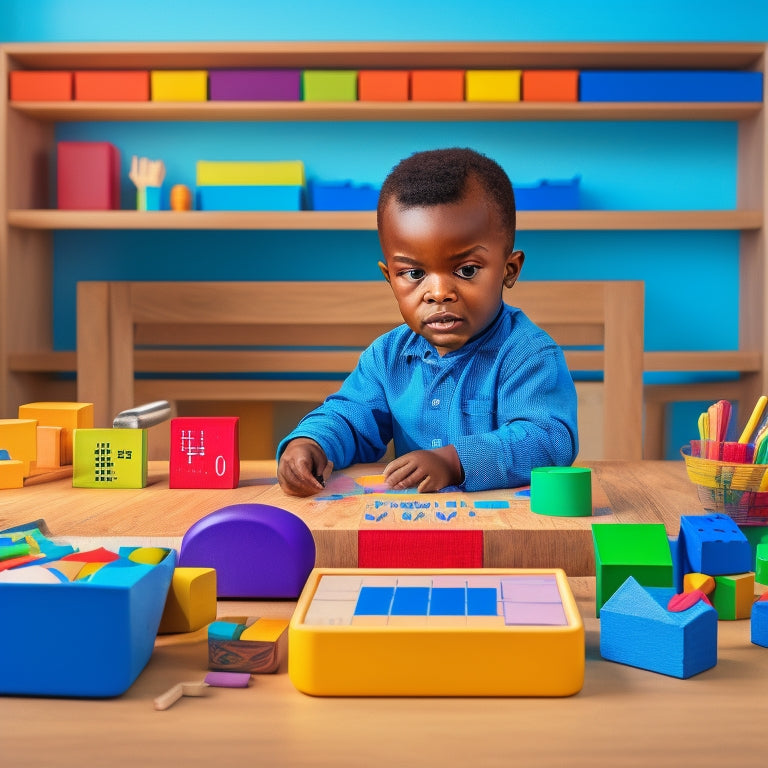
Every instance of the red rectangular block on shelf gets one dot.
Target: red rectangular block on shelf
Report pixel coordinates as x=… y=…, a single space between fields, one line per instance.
x=550 y=85
x=437 y=85
x=205 y=452
x=383 y=85
x=88 y=176
x=41 y=86
x=128 y=85
x=419 y=549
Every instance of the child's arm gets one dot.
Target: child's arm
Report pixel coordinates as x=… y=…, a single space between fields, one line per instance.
x=302 y=465
x=428 y=470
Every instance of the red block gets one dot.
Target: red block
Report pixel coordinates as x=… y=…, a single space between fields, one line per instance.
x=550 y=85
x=128 y=85
x=41 y=86
x=382 y=85
x=419 y=549
x=437 y=85
x=205 y=452
x=88 y=176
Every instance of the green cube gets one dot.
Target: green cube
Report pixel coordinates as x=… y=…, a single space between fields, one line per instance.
x=761 y=563
x=110 y=458
x=329 y=85
x=622 y=550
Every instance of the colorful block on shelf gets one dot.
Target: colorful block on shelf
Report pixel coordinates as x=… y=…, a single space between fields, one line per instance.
x=117 y=85
x=383 y=85
x=549 y=195
x=437 y=85
x=343 y=196
x=179 y=85
x=255 y=84
x=287 y=173
x=684 y=85
x=492 y=85
x=110 y=458
x=526 y=639
x=204 y=452
x=88 y=175
x=36 y=85
x=329 y=85
x=550 y=85
x=69 y=416
x=19 y=438
x=270 y=197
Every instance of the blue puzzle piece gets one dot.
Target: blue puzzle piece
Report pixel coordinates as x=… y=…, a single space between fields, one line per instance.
x=448 y=601
x=374 y=601
x=481 y=601
x=410 y=601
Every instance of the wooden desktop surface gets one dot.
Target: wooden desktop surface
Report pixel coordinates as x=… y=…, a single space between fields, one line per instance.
x=622 y=717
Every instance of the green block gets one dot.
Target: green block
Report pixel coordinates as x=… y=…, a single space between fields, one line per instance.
x=761 y=563
x=640 y=550
x=110 y=458
x=329 y=85
x=733 y=596
x=756 y=534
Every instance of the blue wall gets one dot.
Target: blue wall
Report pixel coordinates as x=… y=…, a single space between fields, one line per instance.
x=652 y=166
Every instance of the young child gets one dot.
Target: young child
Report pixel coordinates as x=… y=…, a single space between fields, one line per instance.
x=471 y=391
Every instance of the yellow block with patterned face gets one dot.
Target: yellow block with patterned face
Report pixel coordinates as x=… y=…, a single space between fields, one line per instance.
x=110 y=458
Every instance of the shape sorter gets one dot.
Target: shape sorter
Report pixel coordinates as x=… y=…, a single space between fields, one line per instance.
x=430 y=632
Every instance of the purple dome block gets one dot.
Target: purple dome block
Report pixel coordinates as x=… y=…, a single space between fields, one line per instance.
x=258 y=551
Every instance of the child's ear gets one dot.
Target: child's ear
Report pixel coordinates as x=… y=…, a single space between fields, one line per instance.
x=384 y=270
x=512 y=268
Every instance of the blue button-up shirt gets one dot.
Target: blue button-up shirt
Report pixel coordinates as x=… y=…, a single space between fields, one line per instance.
x=505 y=401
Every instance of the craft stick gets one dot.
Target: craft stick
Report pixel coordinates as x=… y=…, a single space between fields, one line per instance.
x=143 y=416
x=757 y=412
x=172 y=695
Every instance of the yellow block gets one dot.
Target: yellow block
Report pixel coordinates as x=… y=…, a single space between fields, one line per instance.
x=48 y=447
x=179 y=85
x=11 y=474
x=492 y=84
x=265 y=630
x=191 y=601
x=19 y=438
x=68 y=416
x=700 y=581
x=250 y=172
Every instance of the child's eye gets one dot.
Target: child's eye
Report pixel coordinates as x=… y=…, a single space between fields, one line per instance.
x=413 y=274
x=468 y=271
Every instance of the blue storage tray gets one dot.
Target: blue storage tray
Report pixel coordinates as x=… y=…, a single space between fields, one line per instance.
x=548 y=195
x=671 y=86
x=249 y=198
x=343 y=196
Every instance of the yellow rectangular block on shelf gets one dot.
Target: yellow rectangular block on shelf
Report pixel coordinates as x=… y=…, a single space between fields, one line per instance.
x=492 y=84
x=68 y=416
x=110 y=458
x=250 y=172
x=11 y=474
x=19 y=438
x=179 y=85
x=425 y=632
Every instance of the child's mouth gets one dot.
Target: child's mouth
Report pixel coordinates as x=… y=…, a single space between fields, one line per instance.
x=446 y=323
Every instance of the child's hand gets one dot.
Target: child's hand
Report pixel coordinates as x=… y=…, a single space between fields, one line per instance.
x=428 y=470
x=302 y=466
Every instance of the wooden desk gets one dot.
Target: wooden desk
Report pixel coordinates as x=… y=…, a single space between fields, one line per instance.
x=622 y=716
x=623 y=492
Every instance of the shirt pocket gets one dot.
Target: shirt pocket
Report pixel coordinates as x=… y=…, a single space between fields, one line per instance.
x=480 y=415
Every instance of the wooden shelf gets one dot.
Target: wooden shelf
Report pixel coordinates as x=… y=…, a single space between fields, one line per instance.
x=366 y=220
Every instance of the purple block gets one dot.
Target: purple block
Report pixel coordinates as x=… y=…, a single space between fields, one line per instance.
x=535 y=614
x=255 y=84
x=258 y=551
x=228 y=679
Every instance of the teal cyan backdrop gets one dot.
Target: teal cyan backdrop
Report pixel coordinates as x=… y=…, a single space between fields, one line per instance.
x=653 y=166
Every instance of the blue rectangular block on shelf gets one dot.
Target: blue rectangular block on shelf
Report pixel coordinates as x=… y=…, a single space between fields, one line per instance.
x=249 y=198
x=343 y=196
x=671 y=86
x=548 y=195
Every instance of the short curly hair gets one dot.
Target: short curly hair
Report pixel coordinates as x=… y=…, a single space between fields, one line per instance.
x=440 y=176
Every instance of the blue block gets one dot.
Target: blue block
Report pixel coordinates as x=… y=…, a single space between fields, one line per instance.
x=4 y=455
x=249 y=198
x=481 y=601
x=343 y=196
x=448 y=601
x=671 y=86
x=637 y=629
x=759 y=628
x=410 y=601
x=715 y=545
x=374 y=601
x=548 y=195
x=225 y=630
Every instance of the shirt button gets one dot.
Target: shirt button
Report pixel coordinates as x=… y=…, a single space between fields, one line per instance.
x=435 y=403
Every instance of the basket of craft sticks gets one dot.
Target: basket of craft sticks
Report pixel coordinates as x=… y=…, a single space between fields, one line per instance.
x=731 y=476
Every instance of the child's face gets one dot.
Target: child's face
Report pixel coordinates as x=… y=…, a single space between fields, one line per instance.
x=447 y=265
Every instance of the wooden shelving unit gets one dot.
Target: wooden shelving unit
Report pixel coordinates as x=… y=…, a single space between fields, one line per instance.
x=28 y=364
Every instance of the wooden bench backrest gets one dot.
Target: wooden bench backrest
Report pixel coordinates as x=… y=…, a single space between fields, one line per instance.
x=175 y=330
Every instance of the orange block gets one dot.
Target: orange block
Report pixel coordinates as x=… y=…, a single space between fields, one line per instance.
x=551 y=85
x=48 y=447
x=383 y=85
x=41 y=86
x=437 y=85
x=126 y=85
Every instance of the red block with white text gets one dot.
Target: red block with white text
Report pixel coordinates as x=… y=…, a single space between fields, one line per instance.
x=205 y=452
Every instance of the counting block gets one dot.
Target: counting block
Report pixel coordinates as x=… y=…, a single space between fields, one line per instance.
x=179 y=85
x=492 y=85
x=630 y=549
x=68 y=416
x=191 y=601
x=11 y=474
x=329 y=85
x=88 y=175
x=550 y=85
x=437 y=85
x=119 y=85
x=287 y=173
x=110 y=458
x=19 y=438
x=383 y=85
x=637 y=629
x=734 y=595
x=204 y=452
x=759 y=624
x=258 y=647
x=255 y=84
x=715 y=545
x=40 y=86
x=385 y=632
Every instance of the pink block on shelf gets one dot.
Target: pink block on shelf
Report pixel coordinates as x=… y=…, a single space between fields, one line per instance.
x=88 y=176
x=254 y=85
